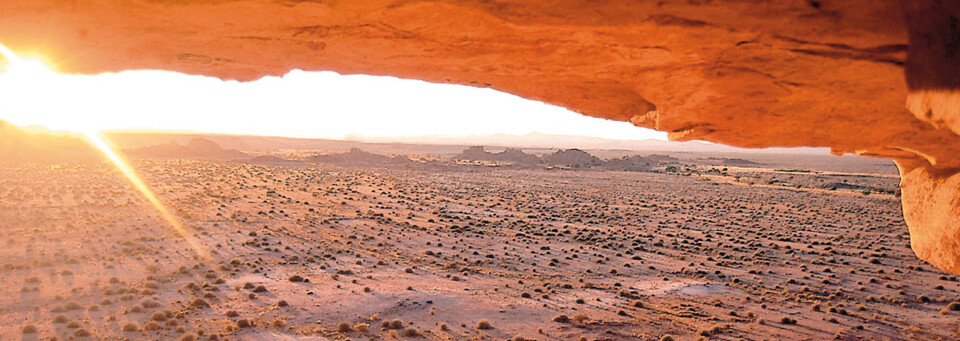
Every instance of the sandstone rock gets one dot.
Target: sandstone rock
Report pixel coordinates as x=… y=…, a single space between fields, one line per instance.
x=747 y=73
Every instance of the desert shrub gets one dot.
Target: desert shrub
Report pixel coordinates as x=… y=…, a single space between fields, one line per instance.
x=484 y=325
x=200 y=303
x=29 y=329
x=131 y=327
x=343 y=327
x=787 y=320
x=561 y=318
x=411 y=332
x=158 y=316
x=392 y=324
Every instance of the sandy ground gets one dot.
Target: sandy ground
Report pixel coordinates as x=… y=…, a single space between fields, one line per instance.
x=323 y=253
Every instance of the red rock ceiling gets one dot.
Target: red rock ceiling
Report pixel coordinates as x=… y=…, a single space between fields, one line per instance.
x=749 y=73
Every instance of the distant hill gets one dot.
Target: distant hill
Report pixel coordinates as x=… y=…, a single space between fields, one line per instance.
x=17 y=145
x=731 y=162
x=661 y=159
x=637 y=163
x=197 y=148
x=269 y=159
x=441 y=144
x=359 y=157
x=634 y=163
x=548 y=141
x=511 y=155
x=571 y=158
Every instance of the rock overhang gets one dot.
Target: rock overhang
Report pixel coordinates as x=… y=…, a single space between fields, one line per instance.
x=875 y=78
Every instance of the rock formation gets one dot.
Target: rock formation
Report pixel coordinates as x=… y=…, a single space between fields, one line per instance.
x=877 y=78
x=359 y=157
x=571 y=158
x=510 y=155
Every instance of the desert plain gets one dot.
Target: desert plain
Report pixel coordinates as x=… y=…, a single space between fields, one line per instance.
x=302 y=245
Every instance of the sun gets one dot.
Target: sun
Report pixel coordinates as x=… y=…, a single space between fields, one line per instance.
x=34 y=72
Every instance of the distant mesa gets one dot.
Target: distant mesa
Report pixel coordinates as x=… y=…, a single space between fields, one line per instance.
x=359 y=157
x=571 y=158
x=198 y=148
x=510 y=155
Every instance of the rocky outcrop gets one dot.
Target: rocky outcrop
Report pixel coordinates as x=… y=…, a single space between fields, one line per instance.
x=871 y=77
x=571 y=158
x=510 y=155
x=931 y=208
x=357 y=157
x=637 y=163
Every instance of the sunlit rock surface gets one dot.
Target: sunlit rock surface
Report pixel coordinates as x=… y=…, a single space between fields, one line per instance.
x=877 y=78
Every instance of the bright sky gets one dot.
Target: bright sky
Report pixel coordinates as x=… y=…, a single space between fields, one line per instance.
x=299 y=104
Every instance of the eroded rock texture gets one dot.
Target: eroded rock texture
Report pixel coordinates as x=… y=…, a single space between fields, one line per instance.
x=745 y=73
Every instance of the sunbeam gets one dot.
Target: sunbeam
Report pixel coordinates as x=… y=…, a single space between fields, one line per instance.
x=20 y=70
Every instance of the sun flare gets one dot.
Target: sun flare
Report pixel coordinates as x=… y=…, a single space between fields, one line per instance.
x=32 y=72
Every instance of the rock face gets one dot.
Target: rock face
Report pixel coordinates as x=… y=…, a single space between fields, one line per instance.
x=872 y=77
